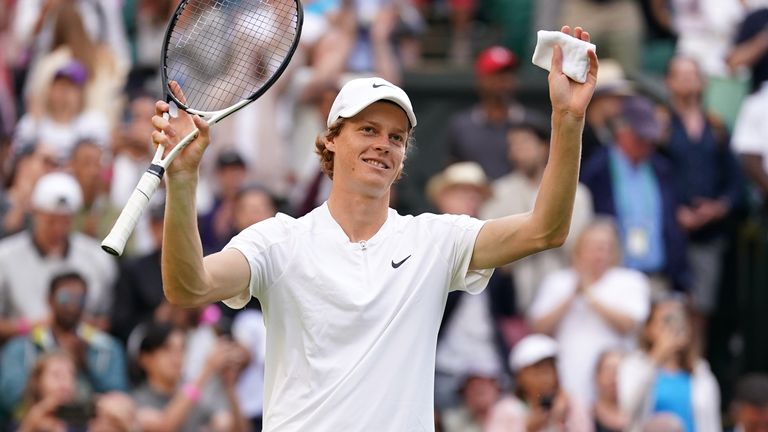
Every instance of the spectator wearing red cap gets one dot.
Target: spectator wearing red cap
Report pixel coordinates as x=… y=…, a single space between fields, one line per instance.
x=479 y=133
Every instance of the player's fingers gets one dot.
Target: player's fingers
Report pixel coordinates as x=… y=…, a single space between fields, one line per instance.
x=593 y=67
x=159 y=138
x=176 y=90
x=162 y=124
x=566 y=29
x=201 y=126
x=585 y=36
x=161 y=107
x=557 y=60
x=577 y=32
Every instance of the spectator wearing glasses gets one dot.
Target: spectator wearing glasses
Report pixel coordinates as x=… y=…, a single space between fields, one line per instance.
x=99 y=358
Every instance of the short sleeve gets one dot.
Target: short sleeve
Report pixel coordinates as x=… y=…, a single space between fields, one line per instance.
x=267 y=248
x=457 y=235
x=753 y=23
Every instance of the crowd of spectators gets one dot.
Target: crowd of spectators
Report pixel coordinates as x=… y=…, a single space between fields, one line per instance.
x=607 y=333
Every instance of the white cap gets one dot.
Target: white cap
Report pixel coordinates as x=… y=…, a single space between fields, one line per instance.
x=358 y=93
x=57 y=192
x=531 y=350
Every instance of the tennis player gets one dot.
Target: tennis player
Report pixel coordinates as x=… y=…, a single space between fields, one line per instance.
x=353 y=292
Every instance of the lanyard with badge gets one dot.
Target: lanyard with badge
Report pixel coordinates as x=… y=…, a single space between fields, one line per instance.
x=636 y=208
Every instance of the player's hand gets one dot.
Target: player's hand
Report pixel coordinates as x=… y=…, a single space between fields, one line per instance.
x=169 y=132
x=566 y=95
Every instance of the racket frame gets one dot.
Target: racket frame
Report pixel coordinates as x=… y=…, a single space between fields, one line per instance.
x=114 y=243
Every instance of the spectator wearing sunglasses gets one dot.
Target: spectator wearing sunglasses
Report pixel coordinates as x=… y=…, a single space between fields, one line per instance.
x=99 y=358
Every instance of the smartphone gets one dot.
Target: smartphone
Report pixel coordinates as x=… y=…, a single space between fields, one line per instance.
x=76 y=413
x=676 y=321
x=546 y=402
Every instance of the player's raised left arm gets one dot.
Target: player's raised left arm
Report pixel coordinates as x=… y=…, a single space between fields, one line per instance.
x=506 y=239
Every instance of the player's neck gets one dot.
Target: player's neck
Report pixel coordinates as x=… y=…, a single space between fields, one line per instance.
x=358 y=216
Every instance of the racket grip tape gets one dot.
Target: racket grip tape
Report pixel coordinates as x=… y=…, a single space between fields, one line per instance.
x=114 y=242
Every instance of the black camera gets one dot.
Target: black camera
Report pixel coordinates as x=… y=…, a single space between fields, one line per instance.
x=546 y=402
x=76 y=413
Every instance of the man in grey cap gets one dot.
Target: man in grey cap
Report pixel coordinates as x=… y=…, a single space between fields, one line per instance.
x=29 y=259
x=353 y=292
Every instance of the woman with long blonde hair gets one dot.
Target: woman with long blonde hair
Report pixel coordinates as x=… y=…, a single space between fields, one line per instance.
x=71 y=41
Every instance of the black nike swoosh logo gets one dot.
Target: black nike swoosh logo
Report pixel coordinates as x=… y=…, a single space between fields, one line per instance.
x=398 y=264
x=380 y=85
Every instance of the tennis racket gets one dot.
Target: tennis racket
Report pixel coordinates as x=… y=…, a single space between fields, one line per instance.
x=224 y=54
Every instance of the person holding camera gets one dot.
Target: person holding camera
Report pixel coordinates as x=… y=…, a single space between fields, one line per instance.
x=99 y=358
x=51 y=385
x=53 y=403
x=538 y=403
x=667 y=374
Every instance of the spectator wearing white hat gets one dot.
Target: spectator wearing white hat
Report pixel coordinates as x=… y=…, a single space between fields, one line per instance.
x=538 y=403
x=30 y=258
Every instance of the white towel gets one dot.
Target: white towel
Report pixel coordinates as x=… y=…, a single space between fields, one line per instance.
x=575 y=59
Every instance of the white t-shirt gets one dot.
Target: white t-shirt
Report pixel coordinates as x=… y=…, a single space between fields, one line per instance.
x=582 y=333
x=750 y=129
x=469 y=347
x=25 y=275
x=62 y=138
x=352 y=327
x=248 y=330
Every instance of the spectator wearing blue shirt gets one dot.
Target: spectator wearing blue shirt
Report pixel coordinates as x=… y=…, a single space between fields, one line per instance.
x=632 y=182
x=100 y=359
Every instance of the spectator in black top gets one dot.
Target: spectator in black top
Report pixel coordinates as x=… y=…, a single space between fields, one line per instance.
x=751 y=46
x=708 y=181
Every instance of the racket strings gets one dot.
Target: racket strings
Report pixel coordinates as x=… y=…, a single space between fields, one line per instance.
x=224 y=51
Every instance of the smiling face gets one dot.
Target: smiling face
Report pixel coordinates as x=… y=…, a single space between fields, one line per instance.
x=370 y=150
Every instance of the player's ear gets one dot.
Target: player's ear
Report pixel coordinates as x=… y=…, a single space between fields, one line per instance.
x=330 y=142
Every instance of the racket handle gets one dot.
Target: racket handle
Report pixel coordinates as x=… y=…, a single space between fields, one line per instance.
x=115 y=241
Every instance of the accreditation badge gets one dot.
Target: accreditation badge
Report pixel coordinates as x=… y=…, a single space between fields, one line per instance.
x=638 y=242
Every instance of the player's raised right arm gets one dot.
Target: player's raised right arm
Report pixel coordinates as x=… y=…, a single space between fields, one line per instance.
x=188 y=278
